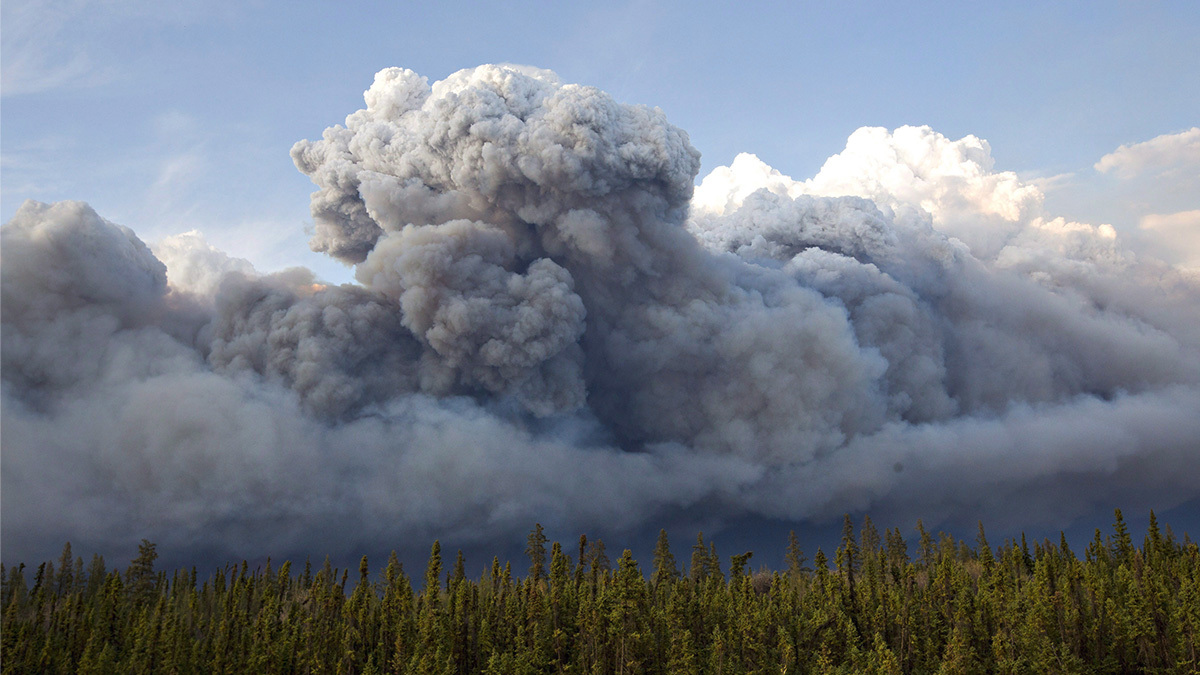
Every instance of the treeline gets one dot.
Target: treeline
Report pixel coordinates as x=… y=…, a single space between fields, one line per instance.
x=878 y=607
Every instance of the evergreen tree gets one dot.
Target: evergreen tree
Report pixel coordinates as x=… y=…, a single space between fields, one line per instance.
x=664 y=562
x=459 y=574
x=1122 y=542
x=847 y=555
x=699 y=567
x=794 y=557
x=536 y=550
x=140 y=576
x=581 y=561
x=737 y=565
x=598 y=558
x=986 y=557
x=713 y=562
x=433 y=572
x=65 y=582
x=1019 y=612
x=629 y=618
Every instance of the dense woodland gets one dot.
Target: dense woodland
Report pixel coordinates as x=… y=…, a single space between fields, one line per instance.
x=876 y=607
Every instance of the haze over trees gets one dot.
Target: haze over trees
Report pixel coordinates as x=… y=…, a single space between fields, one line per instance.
x=871 y=606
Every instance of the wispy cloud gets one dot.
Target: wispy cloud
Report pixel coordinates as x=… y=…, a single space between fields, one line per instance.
x=1178 y=234
x=1049 y=184
x=31 y=169
x=61 y=44
x=1171 y=221
x=1162 y=154
x=38 y=52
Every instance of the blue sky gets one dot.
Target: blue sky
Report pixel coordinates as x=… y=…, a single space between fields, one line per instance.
x=175 y=116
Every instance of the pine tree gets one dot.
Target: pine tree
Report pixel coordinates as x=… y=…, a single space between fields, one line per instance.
x=794 y=557
x=1152 y=545
x=713 y=563
x=737 y=565
x=869 y=536
x=682 y=654
x=598 y=558
x=140 y=576
x=433 y=571
x=581 y=562
x=699 y=567
x=433 y=651
x=536 y=550
x=959 y=613
x=665 y=570
x=65 y=582
x=1122 y=542
x=986 y=557
x=459 y=574
x=925 y=544
x=847 y=555
x=959 y=657
x=629 y=616
x=399 y=624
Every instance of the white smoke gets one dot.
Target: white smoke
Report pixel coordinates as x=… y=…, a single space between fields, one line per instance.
x=1167 y=153
x=548 y=325
x=195 y=266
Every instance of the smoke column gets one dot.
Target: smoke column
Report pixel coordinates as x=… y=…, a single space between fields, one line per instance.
x=552 y=324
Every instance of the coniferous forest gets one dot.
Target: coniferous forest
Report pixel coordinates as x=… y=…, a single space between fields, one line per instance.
x=875 y=605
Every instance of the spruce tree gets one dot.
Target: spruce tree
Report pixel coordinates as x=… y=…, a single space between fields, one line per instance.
x=664 y=562
x=536 y=550
x=794 y=557
x=699 y=567
x=984 y=550
x=140 y=576
x=737 y=565
x=1122 y=542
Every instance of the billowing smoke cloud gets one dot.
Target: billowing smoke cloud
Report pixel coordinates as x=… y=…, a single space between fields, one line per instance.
x=196 y=266
x=548 y=325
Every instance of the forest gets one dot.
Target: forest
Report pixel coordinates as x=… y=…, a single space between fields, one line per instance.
x=871 y=606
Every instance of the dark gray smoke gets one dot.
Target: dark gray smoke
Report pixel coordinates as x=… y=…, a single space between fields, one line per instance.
x=548 y=327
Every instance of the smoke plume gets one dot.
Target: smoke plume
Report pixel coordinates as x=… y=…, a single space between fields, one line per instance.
x=549 y=325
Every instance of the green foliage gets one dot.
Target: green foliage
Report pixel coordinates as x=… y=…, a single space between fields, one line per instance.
x=951 y=608
x=665 y=570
